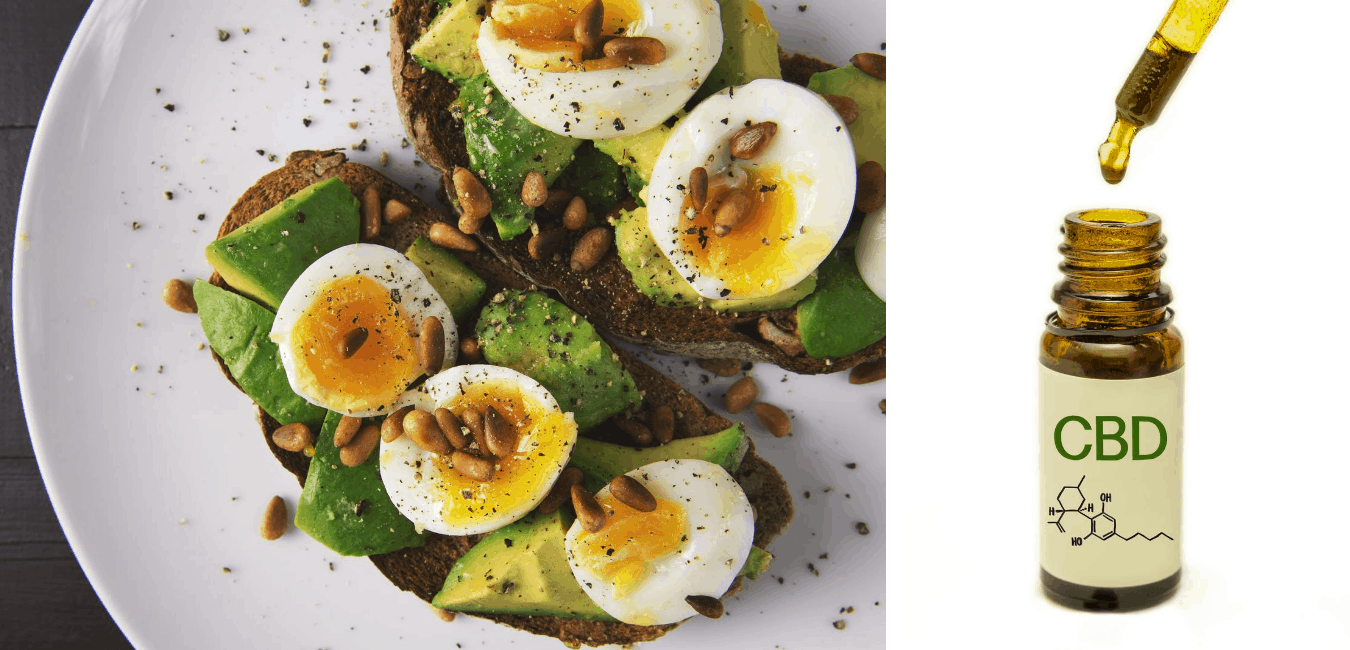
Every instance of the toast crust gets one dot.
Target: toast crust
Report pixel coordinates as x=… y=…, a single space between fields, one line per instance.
x=423 y=570
x=606 y=294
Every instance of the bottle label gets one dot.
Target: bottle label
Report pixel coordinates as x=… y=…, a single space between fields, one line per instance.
x=1110 y=478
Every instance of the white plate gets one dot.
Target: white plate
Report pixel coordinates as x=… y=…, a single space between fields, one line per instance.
x=160 y=477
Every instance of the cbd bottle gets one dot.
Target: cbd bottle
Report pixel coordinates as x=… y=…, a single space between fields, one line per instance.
x=1111 y=380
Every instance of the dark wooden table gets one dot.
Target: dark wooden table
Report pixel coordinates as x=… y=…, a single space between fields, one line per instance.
x=45 y=600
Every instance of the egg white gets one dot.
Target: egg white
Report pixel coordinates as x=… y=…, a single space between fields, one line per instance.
x=871 y=252
x=418 y=300
x=812 y=146
x=721 y=527
x=622 y=101
x=414 y=482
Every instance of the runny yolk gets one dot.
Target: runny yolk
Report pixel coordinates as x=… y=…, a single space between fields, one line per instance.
x=750 y=260
x=542 y=450
x=380 y=369
x=543 y=31
x=621 y=551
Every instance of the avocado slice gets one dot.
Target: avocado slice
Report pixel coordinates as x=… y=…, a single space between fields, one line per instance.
x=548 y=342
x=869 y=131
x=596 y=178
x=503 y=147
x=655 y=276
x=264 y=257
x=458 y=285
x=638 y=152
x=346 y=508
x=600 y=462
x=749 y=49
x=237 y=330
x=450 y=44
x=520 y=569
x=843 y=315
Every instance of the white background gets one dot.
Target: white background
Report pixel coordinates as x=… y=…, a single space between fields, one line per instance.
x=998 y=110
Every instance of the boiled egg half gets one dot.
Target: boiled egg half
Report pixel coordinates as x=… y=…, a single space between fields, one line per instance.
x=366 y=287
x=526 y=48
x=640 y=567
x=426 y=488
x=801 y=190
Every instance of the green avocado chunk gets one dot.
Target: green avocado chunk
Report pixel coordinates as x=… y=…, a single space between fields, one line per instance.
x=600 y=462
x=346 y=508
x=520 y=569
x=459 y=286
x=756 y=563
x=548 y=342
x=655 y=276
x=265 y=256
x=237 y=330
x=504 y=147
x=869 y=131
x=638 y=152
x=843 y=315
x=749 y=49
x=450 y=44
x=596 y=178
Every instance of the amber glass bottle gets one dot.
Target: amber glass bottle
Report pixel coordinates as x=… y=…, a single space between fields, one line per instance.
x=1111 y=381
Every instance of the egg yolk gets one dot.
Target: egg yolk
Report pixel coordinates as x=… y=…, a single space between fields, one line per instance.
x=544 y=439
x=752 y=258
x=543 y=28
x=379 y=370
x=621 y=551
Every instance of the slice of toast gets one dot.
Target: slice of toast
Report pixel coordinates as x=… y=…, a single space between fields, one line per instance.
x=605 y=294
x=423 y=570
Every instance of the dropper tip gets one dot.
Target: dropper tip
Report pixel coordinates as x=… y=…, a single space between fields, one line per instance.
x=1114 y=154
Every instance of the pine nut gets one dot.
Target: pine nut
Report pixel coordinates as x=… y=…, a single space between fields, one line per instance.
x=698 y=187
x=635 y=50
x=790 y=344
x=421 y=428
x=663 y=424
x=773 y=419
x=874 y=65
x=589 y=512
x=641 y=435
x=352 y=342
x=557 y=200
x=587 y=30
x=721 y=367
x=431 y=345
x=448 y=236
x=358 y=450
x=293 y=437
x=396 y=211
x=752 y=140
x=472 y=417
x=346 y=430
x=468 y=348
x=478 y=469
x=178 y=296
x=561 y=490
x=275 y=520
x=734 y=211
x=370 y=213
x=706 y=606
x=392 y=427
x=474 y=201
x=545 y=243
x=868 y=372
x=741 y=394
x=846 y=107
x=452 y=428
x=630 y=492
x=499 y=434
x=534 y=191
x=591 y=248
x=574 y=216
x=871 y=187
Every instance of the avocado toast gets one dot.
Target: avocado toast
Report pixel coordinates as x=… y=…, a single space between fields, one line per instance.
x=421 y=561
x=632 y=292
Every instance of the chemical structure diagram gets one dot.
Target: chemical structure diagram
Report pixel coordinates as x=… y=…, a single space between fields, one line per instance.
x=1082 y=520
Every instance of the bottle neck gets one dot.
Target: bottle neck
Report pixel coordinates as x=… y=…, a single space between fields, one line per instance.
x=1112 y=270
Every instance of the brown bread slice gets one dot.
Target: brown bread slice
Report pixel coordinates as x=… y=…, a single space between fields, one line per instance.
x=423 y=570
x=605 y=294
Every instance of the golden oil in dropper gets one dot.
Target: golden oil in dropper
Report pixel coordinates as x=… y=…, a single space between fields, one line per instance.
x=1110 y=432
x=1155 y=77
